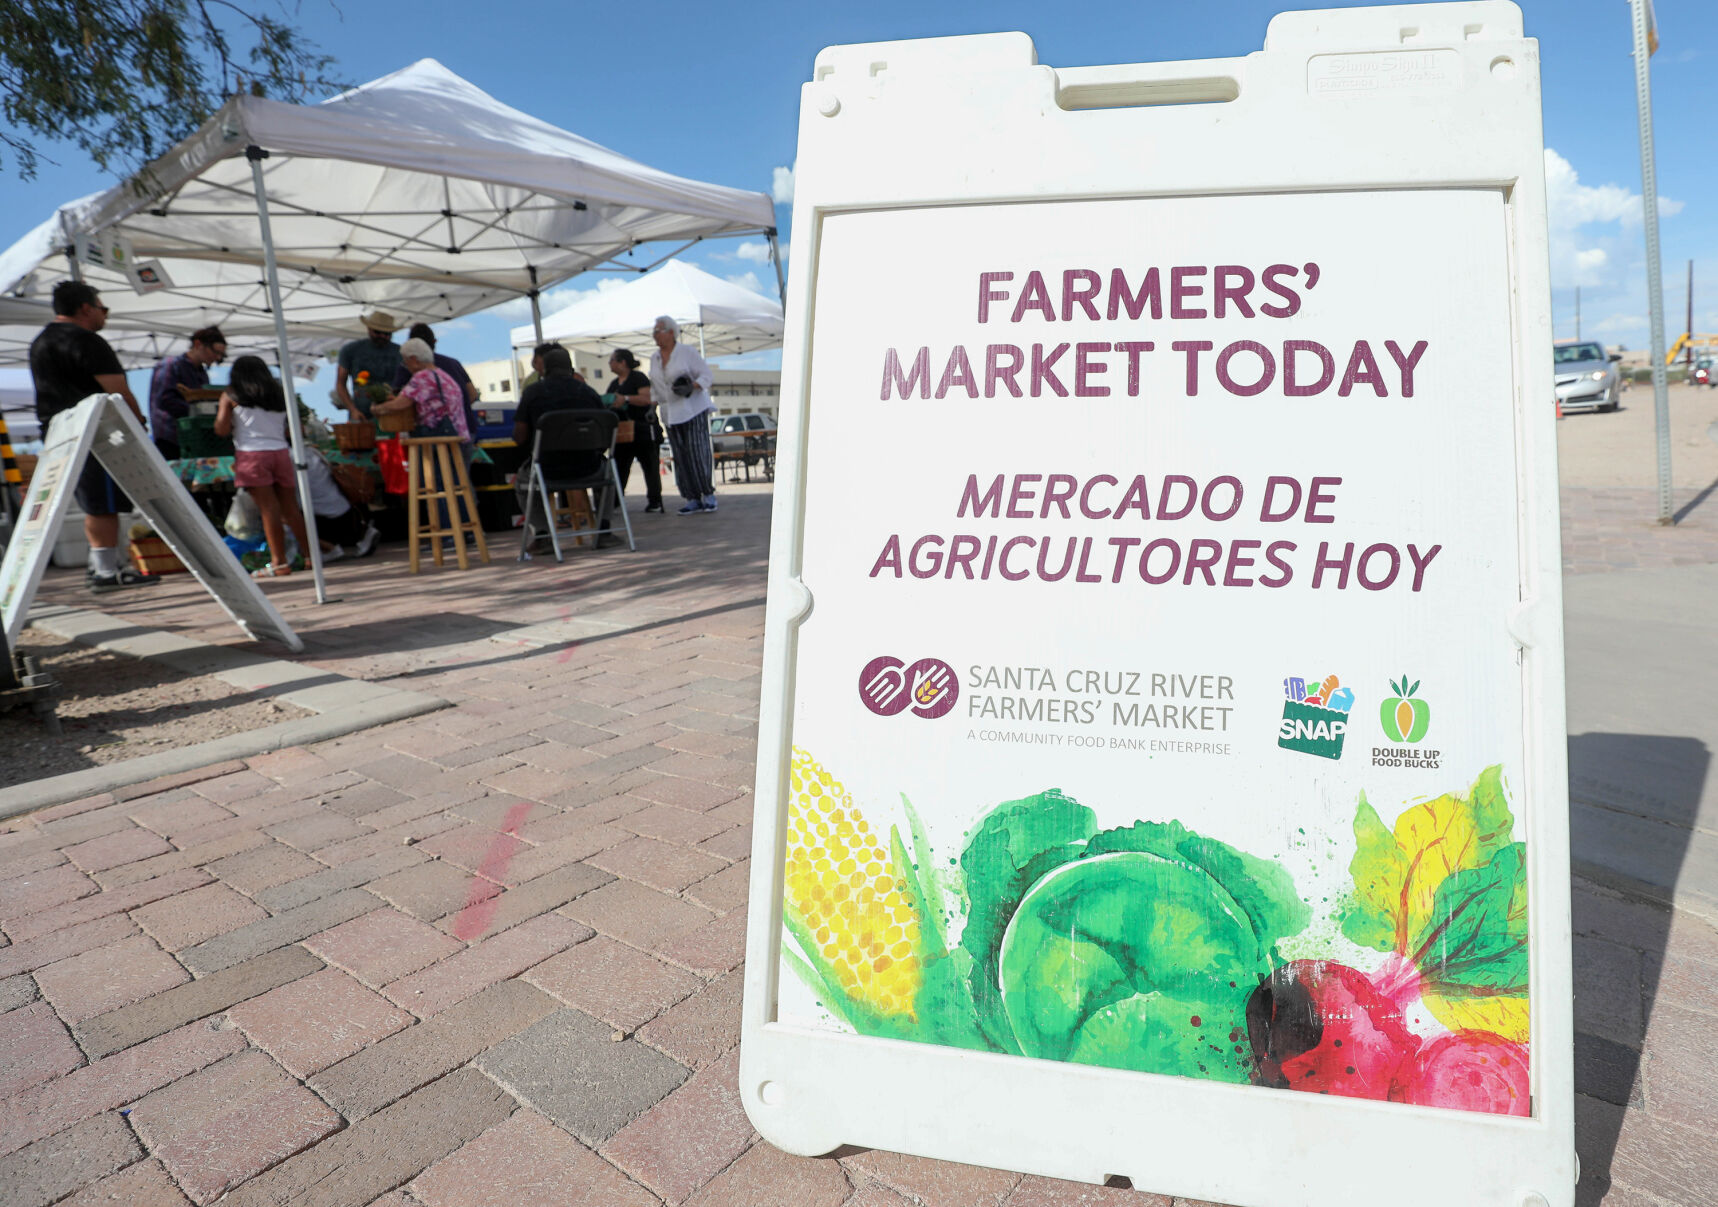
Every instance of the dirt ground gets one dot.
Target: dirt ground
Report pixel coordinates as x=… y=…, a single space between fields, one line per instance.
x=1620 y=448
x=114 y=707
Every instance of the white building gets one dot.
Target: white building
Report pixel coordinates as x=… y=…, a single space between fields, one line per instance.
x=734 y=391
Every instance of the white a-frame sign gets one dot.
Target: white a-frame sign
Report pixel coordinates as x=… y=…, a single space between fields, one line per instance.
x=103 y=426
x=1161 y=759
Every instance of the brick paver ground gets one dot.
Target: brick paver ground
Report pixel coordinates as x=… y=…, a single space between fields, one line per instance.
x=492 y=954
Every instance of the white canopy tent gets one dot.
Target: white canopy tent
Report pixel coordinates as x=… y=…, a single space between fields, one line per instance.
x=418 y=194
x=723 y=318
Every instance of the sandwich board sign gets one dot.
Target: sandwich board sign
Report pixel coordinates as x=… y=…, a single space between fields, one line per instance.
x=104 y=427
x=1161 y=759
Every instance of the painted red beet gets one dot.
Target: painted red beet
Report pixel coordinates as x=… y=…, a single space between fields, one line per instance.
x=1332 y=1032
x=1470 y=1071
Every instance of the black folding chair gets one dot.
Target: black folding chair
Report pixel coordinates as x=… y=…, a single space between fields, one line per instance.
x=580 y=431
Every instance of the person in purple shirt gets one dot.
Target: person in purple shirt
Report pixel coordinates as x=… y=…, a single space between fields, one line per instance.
x=447 y=365
x=189 y=370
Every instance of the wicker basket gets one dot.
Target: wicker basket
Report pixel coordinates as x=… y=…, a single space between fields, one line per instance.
x=151 y=555
x=398 y=423
x=355 y=437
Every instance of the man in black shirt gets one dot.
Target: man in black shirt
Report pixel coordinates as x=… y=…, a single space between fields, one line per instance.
x=69 y=362
x=558 y=390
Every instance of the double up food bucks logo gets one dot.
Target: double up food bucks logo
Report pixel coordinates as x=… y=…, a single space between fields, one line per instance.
x=1315 y=716
x=1405 y=718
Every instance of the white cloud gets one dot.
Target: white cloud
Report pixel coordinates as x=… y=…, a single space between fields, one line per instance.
x=1617 y=324
x=1596 y=246
x=781 y=186
x=747 y=280
x=1569 y=203
x=1595 y=229
x=759 y=253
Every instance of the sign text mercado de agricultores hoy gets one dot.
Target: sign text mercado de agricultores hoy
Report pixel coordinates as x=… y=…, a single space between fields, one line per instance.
x=1167 y=744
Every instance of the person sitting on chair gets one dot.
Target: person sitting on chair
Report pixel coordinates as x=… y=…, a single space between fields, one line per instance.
x=557 y=390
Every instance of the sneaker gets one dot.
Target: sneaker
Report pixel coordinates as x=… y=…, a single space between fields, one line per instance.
x=650 y=507
x=367 y=543
x=692 y=508
x=101 y=584
x=333 y=554
x=709 y=502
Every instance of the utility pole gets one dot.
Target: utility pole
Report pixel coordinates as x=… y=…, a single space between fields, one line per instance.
x=1688 y=356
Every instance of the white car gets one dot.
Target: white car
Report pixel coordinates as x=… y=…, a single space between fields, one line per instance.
x=739 y=433
x=1586 y=376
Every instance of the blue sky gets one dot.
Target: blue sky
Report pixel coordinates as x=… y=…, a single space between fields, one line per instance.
x=712 y=92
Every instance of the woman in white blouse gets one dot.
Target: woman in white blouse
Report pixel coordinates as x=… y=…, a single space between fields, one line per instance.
x=680 y=387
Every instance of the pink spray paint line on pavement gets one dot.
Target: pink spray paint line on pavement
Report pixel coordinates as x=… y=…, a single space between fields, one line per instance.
x=481 y=903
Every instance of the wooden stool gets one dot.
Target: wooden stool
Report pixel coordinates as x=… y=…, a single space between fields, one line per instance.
x=574 y=506
x=436 y=477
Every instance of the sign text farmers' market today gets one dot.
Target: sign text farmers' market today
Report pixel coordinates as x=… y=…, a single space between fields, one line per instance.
x=1242 y=368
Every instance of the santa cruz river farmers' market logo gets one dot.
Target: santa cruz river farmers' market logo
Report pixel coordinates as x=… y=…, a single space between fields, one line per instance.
x=929 y=687
x=1315 y=716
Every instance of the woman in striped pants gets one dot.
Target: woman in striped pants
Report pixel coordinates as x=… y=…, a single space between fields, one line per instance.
x=680 y=387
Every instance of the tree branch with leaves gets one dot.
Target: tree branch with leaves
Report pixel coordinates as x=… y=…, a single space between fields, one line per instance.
x=124 y=80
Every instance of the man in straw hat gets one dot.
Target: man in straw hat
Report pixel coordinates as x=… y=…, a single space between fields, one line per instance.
x=376 y=355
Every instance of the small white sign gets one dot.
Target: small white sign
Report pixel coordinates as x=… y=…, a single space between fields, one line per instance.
x=103 y=426
x=149 y=277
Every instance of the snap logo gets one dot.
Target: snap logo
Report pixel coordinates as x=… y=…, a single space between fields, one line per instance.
x=1315 y=716
x=888 y=686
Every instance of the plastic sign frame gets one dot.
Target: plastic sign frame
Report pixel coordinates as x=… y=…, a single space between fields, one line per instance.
x=1410 y=134
x=104 y=427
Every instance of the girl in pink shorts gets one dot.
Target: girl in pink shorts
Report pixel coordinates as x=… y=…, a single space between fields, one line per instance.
x=253 y=413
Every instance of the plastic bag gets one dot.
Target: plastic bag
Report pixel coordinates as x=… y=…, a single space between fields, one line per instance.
x=391 y=460
x=244 y=521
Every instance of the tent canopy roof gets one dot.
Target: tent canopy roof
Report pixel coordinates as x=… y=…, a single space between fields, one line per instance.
x=730 y=319
x=418 y=194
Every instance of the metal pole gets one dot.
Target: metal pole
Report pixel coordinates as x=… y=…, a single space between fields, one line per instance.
x=71 y=249
x=1654 y=280
x=256 y=155
x=775 y=258
x=536 y=308
x=1655 y=287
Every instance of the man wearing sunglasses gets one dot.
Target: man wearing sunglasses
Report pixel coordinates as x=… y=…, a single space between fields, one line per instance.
x=69 y=362
x=173 y=376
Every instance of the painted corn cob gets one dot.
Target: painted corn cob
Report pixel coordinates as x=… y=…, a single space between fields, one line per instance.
x=855 y=911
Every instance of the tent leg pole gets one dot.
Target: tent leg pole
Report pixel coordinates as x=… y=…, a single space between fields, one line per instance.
x=536 y=306
x=72 y=265
x=775 y=258
x=313 y=554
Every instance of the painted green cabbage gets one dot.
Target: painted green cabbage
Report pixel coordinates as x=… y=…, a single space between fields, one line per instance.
x=1132 y=948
